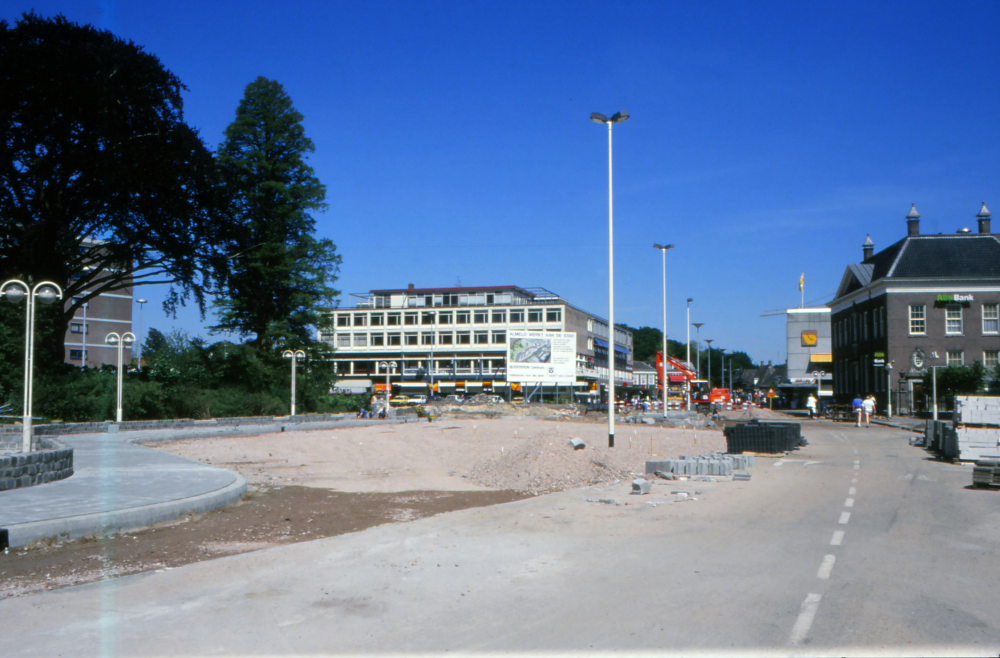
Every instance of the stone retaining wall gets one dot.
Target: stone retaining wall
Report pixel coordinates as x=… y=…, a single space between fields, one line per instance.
x=52 y=461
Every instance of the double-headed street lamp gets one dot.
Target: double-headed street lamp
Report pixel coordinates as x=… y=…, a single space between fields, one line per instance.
x=663 y=359
x=294 y=356
x=125 y=340
x=46 y=292
x=386 y=365
x=618 y=117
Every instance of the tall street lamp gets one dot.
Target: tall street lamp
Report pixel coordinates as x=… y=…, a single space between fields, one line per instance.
x=663 y=360
x=140 y=302
x=294 y=356
x=709 y=377
x=46 y=292
x=618 y=117
x=697 y=345
x=888 y=389
x=689 y=300
x=125 y=340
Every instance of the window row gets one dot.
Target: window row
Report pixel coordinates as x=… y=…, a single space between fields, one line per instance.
x=427 y=338
x=991 y=358
x=860 y=327
x=954 y=321
x=533 y=316
x=464 y=299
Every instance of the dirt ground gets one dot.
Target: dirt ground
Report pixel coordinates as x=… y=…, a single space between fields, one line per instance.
x=306 y=485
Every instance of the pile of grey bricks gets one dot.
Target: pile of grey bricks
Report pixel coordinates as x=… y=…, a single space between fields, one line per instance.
x=714 y=464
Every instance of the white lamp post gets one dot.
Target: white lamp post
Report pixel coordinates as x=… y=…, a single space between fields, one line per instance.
x=663 y=360
x=690 y=299
x=934 y=377
x=697 y=346
x=618 y=117
x=47 y=292
x=294 y=356
x=709 y=377
x=888 y=389
x=386 y=365
x=140 y=302
x=125 y=340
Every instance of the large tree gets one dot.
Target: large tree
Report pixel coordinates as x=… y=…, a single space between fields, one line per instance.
x=280 y=275
x=102 y=184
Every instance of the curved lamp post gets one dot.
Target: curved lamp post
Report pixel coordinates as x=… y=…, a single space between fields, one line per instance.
x=120 y=342
x=46 y=292
x=294 y=356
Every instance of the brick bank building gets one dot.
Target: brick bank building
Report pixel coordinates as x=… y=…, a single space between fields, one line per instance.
x=927 y=300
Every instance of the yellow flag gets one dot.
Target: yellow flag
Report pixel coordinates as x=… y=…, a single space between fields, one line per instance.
x=802 y=281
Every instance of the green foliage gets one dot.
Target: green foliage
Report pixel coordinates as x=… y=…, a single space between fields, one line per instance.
x=280 y=275
x=957 y=380
x=102 y=184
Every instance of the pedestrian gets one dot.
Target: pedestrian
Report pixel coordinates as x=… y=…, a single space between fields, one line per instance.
x=811 y=405
x=869 y=407
x=858 y=407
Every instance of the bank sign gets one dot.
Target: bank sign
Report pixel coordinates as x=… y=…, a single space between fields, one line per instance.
x=951 y=298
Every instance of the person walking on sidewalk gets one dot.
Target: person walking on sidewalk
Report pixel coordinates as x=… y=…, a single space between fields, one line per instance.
x=869 y=406
x=811 y=405
x=858 y=408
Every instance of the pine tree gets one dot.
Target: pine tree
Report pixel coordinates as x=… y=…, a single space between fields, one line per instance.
x=280 y=274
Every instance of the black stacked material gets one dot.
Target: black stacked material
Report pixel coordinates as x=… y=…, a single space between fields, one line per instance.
x=768 y=438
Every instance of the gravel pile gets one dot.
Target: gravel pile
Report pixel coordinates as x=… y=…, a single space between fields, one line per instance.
x=546 y=463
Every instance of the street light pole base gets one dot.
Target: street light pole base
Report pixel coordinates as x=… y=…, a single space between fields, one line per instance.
x=611 y=440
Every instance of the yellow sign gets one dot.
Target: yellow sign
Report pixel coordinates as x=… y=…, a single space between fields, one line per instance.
x=772 y=394
x=809 y=338
x=820 y=358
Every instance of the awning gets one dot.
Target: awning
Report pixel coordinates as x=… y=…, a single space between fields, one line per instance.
x=352 y=386
x=601 y=343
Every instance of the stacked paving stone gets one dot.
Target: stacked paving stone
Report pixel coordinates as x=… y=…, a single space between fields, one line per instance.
x=977 y=427
x=973 y=433
x=714 y=464
x=53 y=462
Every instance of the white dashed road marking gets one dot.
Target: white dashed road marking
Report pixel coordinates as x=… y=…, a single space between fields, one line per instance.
x=805 y=619
x=838 y=538
x=826 y=567
x=852 y=491
x=849 y=502
x=844 y=517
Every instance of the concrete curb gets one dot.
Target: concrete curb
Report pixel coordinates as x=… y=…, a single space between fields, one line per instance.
x=108 y=523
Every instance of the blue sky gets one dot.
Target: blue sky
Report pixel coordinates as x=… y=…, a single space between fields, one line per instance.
x=765 y=140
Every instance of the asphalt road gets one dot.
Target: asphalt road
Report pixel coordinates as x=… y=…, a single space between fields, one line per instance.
x=857 y=544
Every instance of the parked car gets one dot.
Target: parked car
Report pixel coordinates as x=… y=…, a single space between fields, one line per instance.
x=399 y=401
x=418 y=399
x=456 y=399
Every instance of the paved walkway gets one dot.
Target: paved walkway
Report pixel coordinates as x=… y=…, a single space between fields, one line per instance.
x=118 y=485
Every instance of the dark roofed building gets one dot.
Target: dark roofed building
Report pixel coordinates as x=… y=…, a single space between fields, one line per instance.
x=927 y=300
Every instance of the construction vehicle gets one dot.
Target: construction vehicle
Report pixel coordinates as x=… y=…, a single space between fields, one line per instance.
x=678 y=394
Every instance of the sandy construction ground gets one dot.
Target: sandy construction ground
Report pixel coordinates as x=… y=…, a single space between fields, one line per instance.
x=306 y=485
x=529 y=455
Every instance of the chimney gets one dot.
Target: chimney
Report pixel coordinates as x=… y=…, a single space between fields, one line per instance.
x=912 y=221
x=409 y=286
x=984 y=219
x=868 y=248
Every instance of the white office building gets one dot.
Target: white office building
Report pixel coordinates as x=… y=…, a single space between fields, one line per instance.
x=455 y=340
